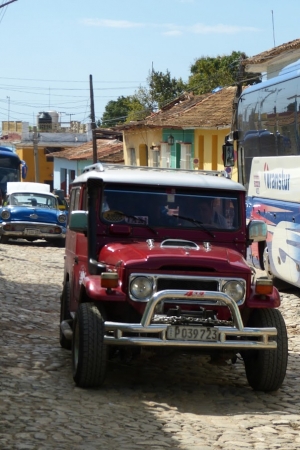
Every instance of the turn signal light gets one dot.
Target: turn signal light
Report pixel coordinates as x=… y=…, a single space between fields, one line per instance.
x=264 y=286
x=109 y=280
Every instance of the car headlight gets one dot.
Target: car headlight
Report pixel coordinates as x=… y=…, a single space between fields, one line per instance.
x=5 y=214
x=141 y=287
x=62 y=218
x=234 y=289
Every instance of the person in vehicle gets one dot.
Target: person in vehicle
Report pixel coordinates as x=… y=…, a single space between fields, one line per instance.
x=208 y=214
x=168 y=213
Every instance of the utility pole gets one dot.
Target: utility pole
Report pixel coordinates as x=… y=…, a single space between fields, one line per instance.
x=70 y=120
x=93 y=121
x=273 y=28
x=70 y=117
x=60 y=113
x=36 y=155
x=8 y=111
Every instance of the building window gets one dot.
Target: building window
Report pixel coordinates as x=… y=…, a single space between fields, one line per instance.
x=156 y=156
x=165 y=154
x=132 y=157
x=185 y=155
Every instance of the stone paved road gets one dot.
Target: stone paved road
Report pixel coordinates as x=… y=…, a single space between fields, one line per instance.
x=165 y=402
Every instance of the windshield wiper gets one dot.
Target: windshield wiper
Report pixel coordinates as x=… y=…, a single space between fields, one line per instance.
x=196 y=222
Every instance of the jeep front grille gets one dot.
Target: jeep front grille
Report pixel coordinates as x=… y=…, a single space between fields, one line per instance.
x=167 y=282
x=187 y=284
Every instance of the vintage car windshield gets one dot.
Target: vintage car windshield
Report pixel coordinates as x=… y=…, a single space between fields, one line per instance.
x=32 y=200
x=174 y=207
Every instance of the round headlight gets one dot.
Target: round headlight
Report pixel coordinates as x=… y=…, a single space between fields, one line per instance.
x=141 y=288
x=62 y=218
x=5 y=214
x=234 y=289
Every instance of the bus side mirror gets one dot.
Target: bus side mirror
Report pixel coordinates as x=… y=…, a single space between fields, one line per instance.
x=228 y=155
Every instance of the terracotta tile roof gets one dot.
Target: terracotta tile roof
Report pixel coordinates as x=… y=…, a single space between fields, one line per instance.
x=12 y=136
x=107 y=151
x=210 y=110
x=273 y=52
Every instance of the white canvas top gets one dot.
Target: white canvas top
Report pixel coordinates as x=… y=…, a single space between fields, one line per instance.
x=275 y=177
x=140 y=175
x=27 y=186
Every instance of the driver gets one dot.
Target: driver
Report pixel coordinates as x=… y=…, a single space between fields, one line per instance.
x=209 y=215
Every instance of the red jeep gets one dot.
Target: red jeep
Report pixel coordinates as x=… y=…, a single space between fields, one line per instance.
x=156 y=258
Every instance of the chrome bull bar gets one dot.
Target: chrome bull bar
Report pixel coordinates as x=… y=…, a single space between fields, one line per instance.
x=236 y=337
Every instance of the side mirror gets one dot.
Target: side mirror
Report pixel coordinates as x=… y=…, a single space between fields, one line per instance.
x=257 y=230
x=228 y=155
x=78 y=221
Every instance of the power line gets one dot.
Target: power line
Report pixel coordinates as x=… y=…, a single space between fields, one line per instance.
x=7 y=3
x=69 y=81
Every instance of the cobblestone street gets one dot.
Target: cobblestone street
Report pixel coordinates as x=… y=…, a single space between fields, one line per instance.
x=155 y=402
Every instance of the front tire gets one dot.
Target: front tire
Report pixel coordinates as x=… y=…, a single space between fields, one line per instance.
x=266 y=369
x=89 y=353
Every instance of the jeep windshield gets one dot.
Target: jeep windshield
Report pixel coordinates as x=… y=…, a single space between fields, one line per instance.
x=170 y=208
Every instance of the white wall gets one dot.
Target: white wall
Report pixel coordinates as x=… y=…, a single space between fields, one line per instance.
x=61 y=163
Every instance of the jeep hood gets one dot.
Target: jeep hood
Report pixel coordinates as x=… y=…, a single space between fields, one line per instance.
x=144 y=256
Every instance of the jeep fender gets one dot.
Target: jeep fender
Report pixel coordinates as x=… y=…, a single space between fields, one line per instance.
x=91 y=289
x=266 y=301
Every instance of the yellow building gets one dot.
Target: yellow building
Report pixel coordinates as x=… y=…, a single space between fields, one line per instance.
x=35 y=147
x=44 y=167
x=187 y=133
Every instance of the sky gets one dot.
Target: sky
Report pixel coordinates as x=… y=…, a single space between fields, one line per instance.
x=50 y=49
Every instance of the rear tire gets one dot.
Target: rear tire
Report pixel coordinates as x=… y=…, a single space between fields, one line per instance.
x=89 y=353
x=65 y=315
x=266 y=369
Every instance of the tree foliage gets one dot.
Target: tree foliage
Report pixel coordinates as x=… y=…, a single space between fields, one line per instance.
x=163 y=88
x=209 y=73
x=160 y=89
x=116 y=112
x=140 y=105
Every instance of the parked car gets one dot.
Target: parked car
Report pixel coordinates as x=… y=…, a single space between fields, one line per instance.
x=62 y=202
x=148 y=265
x=31 y=212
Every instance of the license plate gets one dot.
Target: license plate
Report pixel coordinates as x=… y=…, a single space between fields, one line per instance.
x=181 y=333
x=31 y=232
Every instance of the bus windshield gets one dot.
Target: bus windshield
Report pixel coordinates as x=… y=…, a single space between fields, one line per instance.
x=10 y=168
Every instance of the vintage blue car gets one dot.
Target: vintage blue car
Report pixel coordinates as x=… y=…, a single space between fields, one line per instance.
x=30 y=211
